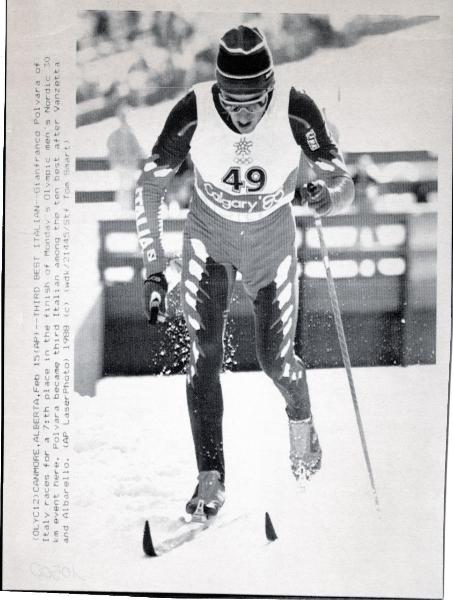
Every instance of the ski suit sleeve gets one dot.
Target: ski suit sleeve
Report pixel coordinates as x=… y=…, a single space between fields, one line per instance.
x=310 y=132
x=171 y=148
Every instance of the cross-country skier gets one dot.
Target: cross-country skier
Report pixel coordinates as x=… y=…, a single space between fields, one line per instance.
x=245 y=133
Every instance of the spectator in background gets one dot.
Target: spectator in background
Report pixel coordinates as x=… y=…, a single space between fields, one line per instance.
x=102 y=38
x=170 y=31
x=125 y=155
x=137 y=77
x=421 y=191
x=366 y=188
x=119 y=30
x=102 y=29
x=296 y=46
x=366 y=192
x=132 y=24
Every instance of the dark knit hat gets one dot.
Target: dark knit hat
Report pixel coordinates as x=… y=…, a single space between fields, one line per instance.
x=244 y=62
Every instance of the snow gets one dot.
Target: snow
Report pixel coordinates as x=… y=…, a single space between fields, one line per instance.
x=133 y=452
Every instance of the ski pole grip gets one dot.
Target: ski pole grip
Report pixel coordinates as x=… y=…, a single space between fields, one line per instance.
x=154 y=303
x=312 y=188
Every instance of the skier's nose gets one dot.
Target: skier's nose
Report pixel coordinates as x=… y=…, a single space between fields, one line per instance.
x=243 y=116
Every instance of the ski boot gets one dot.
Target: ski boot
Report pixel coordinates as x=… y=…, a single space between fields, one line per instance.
x=208 y=497
x=305 y=452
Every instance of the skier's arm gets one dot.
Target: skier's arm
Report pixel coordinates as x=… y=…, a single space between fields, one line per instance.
x=168 y=153
x=334 y=183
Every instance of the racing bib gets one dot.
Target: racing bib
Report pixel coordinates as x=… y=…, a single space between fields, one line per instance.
x=244 y=177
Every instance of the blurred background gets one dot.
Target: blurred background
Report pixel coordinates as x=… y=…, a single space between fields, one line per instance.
x=146 y=57
x=365 y=72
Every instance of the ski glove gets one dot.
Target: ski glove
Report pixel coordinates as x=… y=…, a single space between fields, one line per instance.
x=318 y=197
x=154 y=291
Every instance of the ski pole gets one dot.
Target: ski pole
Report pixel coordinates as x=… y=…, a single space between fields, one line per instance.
x=344 y=351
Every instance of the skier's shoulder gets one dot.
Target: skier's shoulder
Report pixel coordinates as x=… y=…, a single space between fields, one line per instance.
x=302 y=107
x=186 y=108
x=181 y=120
x=173 y=143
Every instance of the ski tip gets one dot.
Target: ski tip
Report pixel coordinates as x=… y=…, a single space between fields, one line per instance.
x=148 y=547
x=269 y=528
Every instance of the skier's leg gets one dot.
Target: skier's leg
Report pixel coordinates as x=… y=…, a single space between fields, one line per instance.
x=205 y=289
x=275 y=309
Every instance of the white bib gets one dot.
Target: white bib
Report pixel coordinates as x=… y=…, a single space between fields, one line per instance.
x=244 y=176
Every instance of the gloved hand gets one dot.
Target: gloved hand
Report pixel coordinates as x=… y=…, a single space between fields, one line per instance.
x=154 y=291
x=317 y=194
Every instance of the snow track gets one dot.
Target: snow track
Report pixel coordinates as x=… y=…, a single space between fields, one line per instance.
x=135 y=456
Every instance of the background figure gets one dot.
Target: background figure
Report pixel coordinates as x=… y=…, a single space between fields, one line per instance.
x=125 y=154
x=366 y=194
x=366 y=189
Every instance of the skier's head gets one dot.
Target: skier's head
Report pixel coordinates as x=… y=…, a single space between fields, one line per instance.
x=245 y=75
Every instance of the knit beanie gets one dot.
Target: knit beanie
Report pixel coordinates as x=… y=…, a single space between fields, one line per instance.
x=244 y=62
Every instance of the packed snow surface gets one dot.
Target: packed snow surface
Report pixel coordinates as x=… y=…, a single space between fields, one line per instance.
x=133 y=451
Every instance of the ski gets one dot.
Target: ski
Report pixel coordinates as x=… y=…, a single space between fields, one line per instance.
x=185 y=532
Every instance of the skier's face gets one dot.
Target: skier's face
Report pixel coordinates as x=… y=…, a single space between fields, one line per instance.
x=245 y=110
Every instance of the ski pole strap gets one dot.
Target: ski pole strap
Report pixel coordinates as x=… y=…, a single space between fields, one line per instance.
x=345 y=352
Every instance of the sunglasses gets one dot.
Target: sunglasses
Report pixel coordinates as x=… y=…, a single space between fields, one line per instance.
x=233 y=105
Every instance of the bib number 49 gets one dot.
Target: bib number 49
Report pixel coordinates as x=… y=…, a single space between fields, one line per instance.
x=255 y=179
